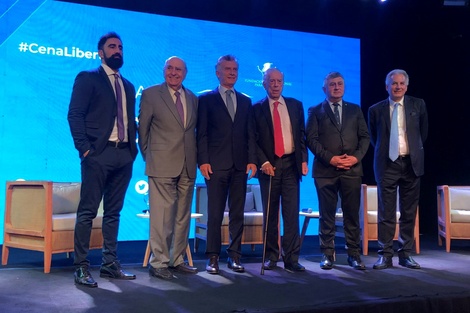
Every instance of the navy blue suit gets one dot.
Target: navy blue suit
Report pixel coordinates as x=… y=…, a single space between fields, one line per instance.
x=228 y=146
x=403 y=174
x=106 y=170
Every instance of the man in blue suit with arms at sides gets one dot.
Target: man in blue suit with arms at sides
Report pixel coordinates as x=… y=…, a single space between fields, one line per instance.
x=226 y=155
x=398 y=128
x=102 y=122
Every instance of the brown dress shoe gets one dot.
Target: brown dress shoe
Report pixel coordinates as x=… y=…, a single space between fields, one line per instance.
x=184 y=268
x=162 y=273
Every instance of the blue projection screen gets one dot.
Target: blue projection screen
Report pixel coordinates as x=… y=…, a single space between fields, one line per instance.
x=44 y=44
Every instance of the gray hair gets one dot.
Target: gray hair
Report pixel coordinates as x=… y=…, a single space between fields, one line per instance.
x=227 y=57
x=268 y=72
x=331 y=75
x=388 y=78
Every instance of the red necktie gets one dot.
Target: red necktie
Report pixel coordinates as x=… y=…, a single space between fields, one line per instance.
x=278 y=141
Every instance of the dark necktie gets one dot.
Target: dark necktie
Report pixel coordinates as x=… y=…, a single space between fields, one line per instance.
x=179 y=106
x=336 y=111
x=120 y=115
x=394 y=145
x=278 y=140
x=230 y=106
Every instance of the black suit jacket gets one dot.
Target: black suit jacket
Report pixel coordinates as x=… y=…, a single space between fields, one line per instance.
x=93 y=109
x=265 y=132
x=416 y=131
x=326 y=139
x=221 y=142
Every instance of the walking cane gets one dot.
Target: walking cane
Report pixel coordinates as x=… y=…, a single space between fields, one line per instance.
x=266 y=225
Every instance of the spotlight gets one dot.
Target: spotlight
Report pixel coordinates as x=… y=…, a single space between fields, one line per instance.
x=455 y=3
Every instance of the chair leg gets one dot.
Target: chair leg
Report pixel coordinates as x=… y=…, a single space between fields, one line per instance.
x=47 y=262
x=147 y=255
x=188 y=255
x=365 y=247
x=5 y=253
x=447 y=242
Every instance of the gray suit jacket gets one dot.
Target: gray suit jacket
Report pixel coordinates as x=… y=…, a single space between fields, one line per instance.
x=416 y=131
x=163 y=140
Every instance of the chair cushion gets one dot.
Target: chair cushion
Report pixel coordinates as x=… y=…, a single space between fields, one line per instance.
x=460 y=216
x=249 y=203
x=372 y=217
x=250 y=219
x=65 y=197
x=67 y=221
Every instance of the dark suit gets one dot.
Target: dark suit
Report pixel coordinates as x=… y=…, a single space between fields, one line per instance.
x=403 y=173
x=169 y=149
x=106 y=171
x=228 y=146
x=285 y=183
x=326 y=139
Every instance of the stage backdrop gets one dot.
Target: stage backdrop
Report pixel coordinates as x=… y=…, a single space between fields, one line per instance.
x=44 y=44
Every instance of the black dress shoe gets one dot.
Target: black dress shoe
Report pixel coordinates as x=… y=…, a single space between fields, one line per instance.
x=212 y=266
x=383 y=262
x=83 y=277
x=162 y=273
x=294 y=267
x=326 y=262
x=269 y=265
x=355 y=262
x=235 y=265
x=185 y=268
x=114 y=270
x=409 y=262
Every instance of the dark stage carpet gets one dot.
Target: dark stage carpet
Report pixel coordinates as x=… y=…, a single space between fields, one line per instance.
x=442 y=285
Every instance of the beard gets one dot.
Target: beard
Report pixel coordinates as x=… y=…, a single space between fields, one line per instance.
x=115 y=61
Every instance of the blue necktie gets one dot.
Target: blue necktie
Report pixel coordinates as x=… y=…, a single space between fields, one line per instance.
x=230 y=106
x=394 y=145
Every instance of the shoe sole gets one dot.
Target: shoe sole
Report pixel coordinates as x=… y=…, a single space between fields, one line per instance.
x=412 y=267
x=86 y=285
x=382 y=267
x=102 y=275
x=238 y=270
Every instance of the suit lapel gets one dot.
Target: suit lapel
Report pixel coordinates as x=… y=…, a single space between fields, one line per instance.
x=385 y=108
x=189 y=107
x=331 y=115
x=267 y=115
x=168 y=99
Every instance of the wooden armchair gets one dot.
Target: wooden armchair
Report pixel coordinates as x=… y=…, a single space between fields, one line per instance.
x=40 y=216
x=453 y=213
x=368 y=218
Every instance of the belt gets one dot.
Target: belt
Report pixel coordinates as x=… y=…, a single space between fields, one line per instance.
x=118 y=144
x=403 y=157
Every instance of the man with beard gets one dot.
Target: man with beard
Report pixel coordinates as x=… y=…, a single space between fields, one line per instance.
x=102 y=122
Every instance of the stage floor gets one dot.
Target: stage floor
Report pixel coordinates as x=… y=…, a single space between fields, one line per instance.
x=442 y=285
